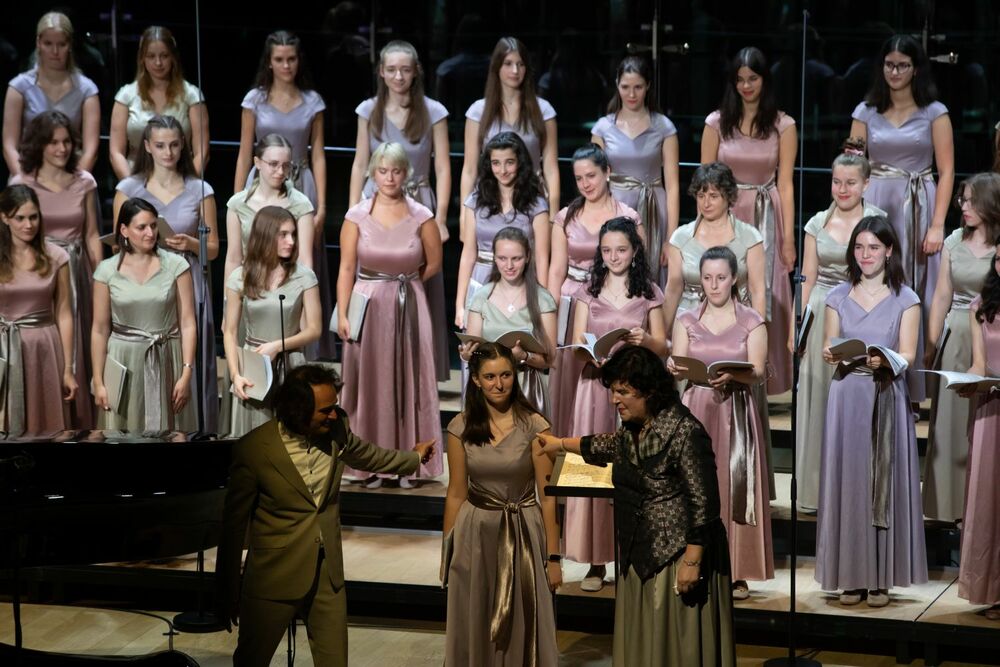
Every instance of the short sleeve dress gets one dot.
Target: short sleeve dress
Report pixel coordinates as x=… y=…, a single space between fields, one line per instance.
x=531 y=140
x=145 y=330
x=260 y=318
x=297 y=204
x=139 y=113
x=32 y=404
x=183 y=214
x=499 y=473
x=390 y=389
x=755 y=165
x=36 y=101
x=588 y=523
x=65 y=215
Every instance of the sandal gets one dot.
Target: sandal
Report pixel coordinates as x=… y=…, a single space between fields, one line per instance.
x=741 y=591
x=993 y=613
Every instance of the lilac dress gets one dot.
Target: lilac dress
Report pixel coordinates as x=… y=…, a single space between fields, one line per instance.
x=36 y=101
x=183 y=214
x=851 y=552
x=755 y=164
x=581 y=246
x=527 y=133
x=589 y=523
x=296 y=127
x=979 y=573
x=419 y=188
x=390 y=392
x=27 y=314
x=750 y=548
x=65 y=216
x=637 y=178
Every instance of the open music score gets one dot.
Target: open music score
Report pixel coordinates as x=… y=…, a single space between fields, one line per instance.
x=574 y=477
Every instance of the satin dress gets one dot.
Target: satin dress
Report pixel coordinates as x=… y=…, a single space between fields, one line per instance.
x=36 y=101
x=139 y=113
x=531 y=140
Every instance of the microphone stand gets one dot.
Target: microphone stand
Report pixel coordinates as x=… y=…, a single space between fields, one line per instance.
x=281 y=321
x=792 y=660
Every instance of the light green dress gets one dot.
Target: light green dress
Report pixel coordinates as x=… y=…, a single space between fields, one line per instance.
x=948 y=437
x=151 y=308
x=533 y=382
x=814 y=373
x=298 y=205
x=259 y=319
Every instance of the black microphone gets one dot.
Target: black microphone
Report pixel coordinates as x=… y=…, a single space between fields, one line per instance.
x=281 y=321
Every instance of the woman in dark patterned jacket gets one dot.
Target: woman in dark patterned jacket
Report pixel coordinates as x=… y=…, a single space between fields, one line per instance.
x=673 y=604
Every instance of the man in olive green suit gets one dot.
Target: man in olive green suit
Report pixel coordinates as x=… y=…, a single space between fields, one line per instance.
x=285 y=484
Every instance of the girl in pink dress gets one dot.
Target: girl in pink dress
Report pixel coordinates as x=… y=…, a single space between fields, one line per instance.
x=759 y=143
x=389 y=246
x=49 y=156
x=620 y=294
x=979 y=572
x=723 y=329
x=36 y=321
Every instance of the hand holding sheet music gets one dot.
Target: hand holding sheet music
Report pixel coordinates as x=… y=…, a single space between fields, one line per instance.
x=697 y=371
x=850 y=350
x=596 y=348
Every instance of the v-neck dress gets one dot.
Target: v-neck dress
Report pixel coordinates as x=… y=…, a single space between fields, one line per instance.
x=851 y=552
x=531 y=140
x=36 y=101
x=589 y=533
x=139 y=113
x=183 y=214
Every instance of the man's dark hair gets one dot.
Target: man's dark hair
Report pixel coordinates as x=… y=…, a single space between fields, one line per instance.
x=642 y=370
x=293 y=400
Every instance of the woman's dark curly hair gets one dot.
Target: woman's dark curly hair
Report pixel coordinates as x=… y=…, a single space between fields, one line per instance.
x=990 y=305
x=639 y=282
x=39 y=133
x=642 y=370
x=731 y=108
x=527 y=187
x=477 y=417
x=294 y=403
x=715 y=175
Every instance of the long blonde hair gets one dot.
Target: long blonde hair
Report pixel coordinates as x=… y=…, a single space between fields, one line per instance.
x=175 y=88
x=57 y=21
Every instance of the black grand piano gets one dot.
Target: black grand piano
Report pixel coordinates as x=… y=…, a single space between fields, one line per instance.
x=84 y=497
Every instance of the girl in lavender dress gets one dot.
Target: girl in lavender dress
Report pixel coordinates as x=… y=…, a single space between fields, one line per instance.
x=49 y=157
x=389 y=246
x=165 y=177
x=54 y=77
x=979 y=571
x=36 y=319
x=401 y=113
x=510 y=104
x=574 y=241
x=284 y=102
x=159 y=89
x=723 y=329
x=642 y=146
x=759 y=143
x=506 y=195
x=620 y=294
x=870 y=527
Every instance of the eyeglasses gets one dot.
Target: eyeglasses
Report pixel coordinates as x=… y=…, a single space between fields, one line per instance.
x=274 y=165
x=898 y=68
x=961 y=201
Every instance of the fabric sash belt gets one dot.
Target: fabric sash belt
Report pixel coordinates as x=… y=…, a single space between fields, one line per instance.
x=407 y=335
x=412 y=187
x=827 y=281
x=514 y=553
x=157 y=370
x=914 y=204
x=742 y=459
x=648 y=210
x=963 y=301
x=577 y=274
x=298 y=168
x=12 y=399
x=75 y=250
x=763 y=220
x=484 y=257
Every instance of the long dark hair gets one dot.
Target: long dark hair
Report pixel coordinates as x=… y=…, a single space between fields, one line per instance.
x=262 y=255
x=990 y=305
x=639 y=282
x=878 y=225
x=526 y=186
x=595 y=154
x=418 y=120
x=634 y=65
x=921 y=85
x=985 y=190
x=724 y=253
x=265 y=77
x=477 y=417
x=144 y=161
x=530 y=114
x=530 y=278
x=731 y=109
x=39 y=133
x=642 y=370
x=12 y=198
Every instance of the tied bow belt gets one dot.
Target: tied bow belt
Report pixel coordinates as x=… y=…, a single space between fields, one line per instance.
x=576 y=274
x=413 y=185
x=407 y=335
x=157 y=370
x=743 y=448
x=763 y=220
x=75 y=251
x=648 y=210
x=514 y=554
x=12 y=407
x=914 y=205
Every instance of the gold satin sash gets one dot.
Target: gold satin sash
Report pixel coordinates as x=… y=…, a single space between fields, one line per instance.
x=648 y=210
x=513 y=548
x=576 y=274
x=12 y=399
x=914 y=203
x=763 y=220
x=157 y=370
